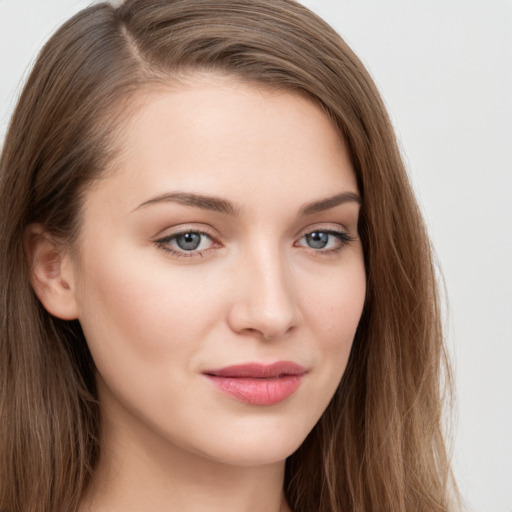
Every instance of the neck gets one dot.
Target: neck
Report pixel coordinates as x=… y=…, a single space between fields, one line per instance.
x=142 y=471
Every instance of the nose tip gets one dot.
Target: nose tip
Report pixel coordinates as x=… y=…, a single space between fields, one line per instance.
x=266 y=304
x=270 y=325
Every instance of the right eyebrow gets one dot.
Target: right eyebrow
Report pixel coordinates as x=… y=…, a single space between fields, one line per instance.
x=197 y=200
x=330 y=202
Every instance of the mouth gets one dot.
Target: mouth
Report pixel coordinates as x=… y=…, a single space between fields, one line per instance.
x=258 y=384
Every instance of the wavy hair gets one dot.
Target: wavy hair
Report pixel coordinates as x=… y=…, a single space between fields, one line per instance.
x=379 y=445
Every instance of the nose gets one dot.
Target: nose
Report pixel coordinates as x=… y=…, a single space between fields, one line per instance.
x=264 y=301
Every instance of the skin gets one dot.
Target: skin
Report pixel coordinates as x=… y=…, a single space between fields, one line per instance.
x=254 y=291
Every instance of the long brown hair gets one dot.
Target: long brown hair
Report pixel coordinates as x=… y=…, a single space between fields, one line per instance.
x=379 y=445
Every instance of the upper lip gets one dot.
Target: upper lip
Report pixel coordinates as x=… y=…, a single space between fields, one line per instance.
x=259 y=371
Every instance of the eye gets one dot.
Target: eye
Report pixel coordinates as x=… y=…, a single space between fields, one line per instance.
x=325 y=240
x=317 y=239
x=186 y=243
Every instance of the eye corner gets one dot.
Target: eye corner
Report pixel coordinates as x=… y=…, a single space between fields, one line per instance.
x=331 y=240
x=187 y=242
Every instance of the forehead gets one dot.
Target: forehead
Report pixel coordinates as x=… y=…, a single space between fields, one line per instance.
x=218 y=136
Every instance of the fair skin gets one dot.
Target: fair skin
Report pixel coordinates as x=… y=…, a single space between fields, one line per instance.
x=224 y=234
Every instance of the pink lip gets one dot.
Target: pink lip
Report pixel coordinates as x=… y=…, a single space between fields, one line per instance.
x=258 y=384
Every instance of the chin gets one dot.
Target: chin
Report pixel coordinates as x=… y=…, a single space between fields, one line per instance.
x=253 y=455
x=255 y=446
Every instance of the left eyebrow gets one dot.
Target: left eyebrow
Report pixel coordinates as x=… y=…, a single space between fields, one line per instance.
x=329 y=202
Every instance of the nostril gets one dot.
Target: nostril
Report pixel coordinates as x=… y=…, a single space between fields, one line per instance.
x=264 y=304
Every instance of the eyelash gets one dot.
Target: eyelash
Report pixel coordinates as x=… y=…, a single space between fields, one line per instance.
x=343 y=238
x=163 y=243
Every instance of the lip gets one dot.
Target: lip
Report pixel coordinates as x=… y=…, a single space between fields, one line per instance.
x=258 y=384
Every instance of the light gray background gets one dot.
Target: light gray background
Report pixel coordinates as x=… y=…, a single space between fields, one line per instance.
x=444 y=68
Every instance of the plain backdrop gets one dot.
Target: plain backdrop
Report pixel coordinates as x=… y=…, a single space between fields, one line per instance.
x=444 y=68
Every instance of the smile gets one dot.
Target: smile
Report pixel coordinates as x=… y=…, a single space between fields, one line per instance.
x=258 y=384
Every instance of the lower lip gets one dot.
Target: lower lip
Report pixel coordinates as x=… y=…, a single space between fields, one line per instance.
x=258 y=391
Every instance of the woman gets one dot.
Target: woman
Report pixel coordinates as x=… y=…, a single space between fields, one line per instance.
x=217 y=289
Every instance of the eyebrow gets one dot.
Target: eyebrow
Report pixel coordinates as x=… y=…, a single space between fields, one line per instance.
x=197 y=200
x=329 y=202
x=224 y=206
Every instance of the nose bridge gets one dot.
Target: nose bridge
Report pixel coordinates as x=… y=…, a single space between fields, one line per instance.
x=266 y=302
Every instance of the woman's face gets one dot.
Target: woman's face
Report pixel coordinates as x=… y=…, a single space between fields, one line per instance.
x=219 y=277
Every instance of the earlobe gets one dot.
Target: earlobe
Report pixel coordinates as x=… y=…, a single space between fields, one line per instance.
x=51 y=273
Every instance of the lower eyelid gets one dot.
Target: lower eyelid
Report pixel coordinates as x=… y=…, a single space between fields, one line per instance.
x=166 y=244
x=343 y=238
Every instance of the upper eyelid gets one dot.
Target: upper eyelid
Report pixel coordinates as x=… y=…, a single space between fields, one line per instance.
x=183 y=229
x=181 y=233
x=326 y=226
x=342 y=234
x=164 y=243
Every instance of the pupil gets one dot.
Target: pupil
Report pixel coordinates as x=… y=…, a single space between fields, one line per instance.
x=188 y=241
x=317 y=239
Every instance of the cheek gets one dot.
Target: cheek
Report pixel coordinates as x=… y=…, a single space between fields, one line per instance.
x=335 y=307
x=146 y=327
x=332 y=314
x=134 y=312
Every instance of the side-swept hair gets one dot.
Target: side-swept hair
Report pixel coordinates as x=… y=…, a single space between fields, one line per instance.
x=379 y=445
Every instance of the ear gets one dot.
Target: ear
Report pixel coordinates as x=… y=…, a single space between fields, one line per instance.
x=51 y=274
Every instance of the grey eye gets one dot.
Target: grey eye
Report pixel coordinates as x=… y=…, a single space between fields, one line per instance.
x=317 y=239
x=188 y=241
